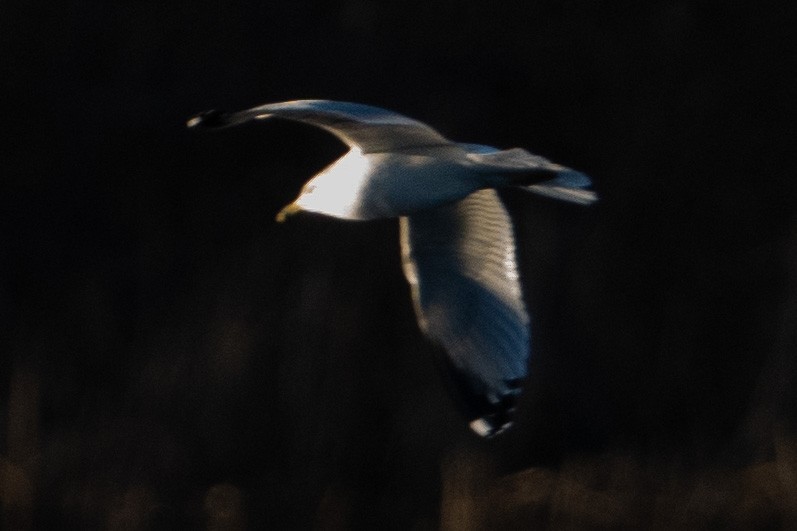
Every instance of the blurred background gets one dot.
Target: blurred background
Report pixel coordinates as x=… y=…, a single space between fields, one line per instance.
x=171 y=357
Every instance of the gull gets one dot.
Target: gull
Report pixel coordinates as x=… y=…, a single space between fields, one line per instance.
x=457 y=240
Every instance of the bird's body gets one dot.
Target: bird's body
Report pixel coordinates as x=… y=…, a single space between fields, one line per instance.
x=384 y=185
x=457 y=239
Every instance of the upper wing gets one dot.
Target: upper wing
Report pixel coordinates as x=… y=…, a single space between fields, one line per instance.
x=371 y=129
x=460 y=262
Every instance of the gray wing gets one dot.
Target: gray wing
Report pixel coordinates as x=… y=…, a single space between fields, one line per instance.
x=517 y=167
x=460 y=262
x=371 y=129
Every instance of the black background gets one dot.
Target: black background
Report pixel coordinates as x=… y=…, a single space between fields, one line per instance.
x=168 y=349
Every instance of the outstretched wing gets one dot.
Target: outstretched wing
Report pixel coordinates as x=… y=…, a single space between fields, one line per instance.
x=460 y=262
x=371 y=129
x=517 y=167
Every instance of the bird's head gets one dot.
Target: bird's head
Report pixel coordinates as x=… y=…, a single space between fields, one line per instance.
x=334 y=192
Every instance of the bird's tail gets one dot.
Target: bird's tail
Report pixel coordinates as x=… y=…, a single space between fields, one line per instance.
x=518 y=168
x=568 y=185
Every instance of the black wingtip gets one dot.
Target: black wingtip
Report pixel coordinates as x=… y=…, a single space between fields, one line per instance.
x=209 y=119
x=487 y=416
x=489 y=426
x=490 y=419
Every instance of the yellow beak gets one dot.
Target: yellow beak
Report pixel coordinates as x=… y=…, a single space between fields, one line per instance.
x=288 y=210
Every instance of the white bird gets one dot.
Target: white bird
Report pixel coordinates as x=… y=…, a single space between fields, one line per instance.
x=457 y=239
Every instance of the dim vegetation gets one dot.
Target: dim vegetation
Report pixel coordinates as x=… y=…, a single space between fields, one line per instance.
x=614 y=491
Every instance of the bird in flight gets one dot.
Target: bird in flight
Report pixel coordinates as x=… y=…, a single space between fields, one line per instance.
x=457 y=240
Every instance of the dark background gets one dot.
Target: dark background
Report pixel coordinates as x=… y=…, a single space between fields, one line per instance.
x=170 y=353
